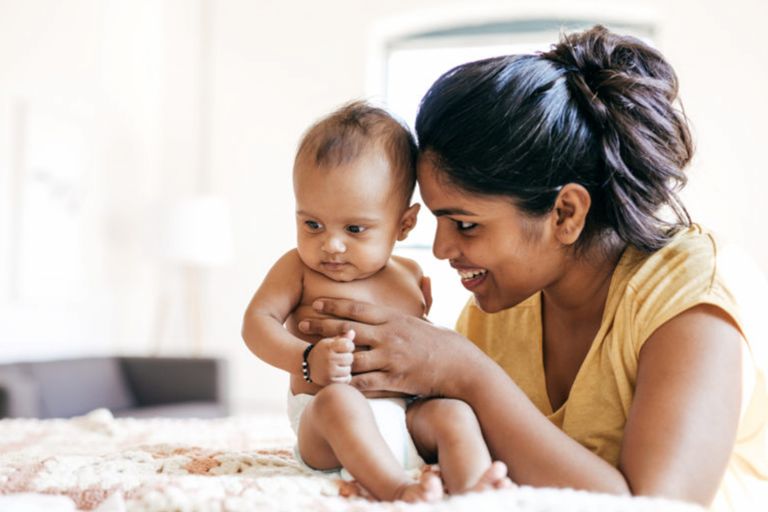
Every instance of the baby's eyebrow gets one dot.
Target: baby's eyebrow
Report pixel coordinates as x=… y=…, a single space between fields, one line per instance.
x=363 y=220
x=356 y=220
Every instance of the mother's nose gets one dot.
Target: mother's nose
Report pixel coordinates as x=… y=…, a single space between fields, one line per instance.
x=444 y=246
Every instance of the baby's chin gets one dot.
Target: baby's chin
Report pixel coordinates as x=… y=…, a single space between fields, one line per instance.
x=344 y=274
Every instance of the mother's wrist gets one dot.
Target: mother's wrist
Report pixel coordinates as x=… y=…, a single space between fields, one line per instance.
x=463 y=373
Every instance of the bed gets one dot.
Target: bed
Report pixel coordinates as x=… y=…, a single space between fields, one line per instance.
x=239 y=463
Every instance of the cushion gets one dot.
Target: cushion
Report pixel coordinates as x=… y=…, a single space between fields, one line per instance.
x=19 y=393
x=76 y=386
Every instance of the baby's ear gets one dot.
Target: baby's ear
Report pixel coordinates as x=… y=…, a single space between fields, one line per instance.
x=408 y=221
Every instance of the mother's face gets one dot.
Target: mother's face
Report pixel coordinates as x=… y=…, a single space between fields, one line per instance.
x=502 y=255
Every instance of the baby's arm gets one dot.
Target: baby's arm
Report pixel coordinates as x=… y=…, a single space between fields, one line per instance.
x=265 y=335
x=424 y=283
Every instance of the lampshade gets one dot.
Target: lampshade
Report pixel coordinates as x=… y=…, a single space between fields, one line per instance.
x=199 y=232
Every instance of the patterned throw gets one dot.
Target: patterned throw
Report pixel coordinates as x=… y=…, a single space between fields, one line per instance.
x=97 y=462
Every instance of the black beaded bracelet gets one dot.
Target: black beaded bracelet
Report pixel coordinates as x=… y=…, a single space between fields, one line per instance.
x=305 y=362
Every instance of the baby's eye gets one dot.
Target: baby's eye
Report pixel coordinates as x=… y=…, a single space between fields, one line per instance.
x=464 y=226
x=355 y=229
x=312 y=225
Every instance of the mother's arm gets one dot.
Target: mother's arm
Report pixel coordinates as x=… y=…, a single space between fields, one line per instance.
x=678 y=437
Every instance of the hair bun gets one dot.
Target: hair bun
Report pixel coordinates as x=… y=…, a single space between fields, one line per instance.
x=596 y=110
x=606 y=60
x=626 y=91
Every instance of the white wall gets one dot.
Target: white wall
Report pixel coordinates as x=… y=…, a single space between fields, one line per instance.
x=126 y=73
x=138 y=70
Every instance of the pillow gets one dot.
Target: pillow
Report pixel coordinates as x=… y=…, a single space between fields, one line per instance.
x=72 y=387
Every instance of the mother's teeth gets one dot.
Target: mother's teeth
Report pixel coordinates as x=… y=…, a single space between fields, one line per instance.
x=471 y=274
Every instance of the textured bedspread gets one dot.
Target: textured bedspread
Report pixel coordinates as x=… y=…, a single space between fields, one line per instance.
x=96 y=462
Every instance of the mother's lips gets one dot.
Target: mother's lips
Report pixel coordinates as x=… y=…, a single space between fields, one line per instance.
x=472 y=273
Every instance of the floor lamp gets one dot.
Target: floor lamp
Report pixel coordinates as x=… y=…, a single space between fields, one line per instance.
x=198 y=237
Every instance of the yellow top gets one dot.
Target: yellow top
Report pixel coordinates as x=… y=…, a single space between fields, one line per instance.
x=645 y=291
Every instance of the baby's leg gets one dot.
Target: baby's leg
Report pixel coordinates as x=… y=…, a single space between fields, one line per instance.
x=449 y=430
x=337 y=428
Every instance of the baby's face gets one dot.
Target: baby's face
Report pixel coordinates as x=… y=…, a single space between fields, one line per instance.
x=347 y=217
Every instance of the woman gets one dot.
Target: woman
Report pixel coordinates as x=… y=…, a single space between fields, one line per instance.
x=617 y=361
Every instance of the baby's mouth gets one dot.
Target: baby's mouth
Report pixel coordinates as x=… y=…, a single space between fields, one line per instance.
x=332 y=264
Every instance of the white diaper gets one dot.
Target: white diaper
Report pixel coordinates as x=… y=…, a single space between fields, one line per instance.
x=389 y=414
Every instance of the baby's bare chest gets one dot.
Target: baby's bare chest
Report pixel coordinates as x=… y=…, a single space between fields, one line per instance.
x=396 y=288
x=399 y=290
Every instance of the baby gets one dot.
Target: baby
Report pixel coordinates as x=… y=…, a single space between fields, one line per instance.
x=354 y=175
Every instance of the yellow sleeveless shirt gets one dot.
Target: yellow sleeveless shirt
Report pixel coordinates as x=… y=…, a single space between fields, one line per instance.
x=646 y=290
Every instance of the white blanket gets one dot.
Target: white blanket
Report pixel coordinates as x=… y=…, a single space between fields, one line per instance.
x=97 y=462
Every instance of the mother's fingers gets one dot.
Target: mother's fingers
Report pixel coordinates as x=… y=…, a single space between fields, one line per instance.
x=353 y=310
x=327 y=327
x=368 y=360
x=371 y=381
x=330 y=327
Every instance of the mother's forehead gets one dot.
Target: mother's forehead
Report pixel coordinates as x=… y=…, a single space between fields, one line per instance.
x=433 y=179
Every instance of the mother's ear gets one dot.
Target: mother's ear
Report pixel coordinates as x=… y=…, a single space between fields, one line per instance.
x=569 y=214
x=408 y=221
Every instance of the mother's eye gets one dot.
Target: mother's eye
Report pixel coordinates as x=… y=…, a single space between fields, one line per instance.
x=464 y=226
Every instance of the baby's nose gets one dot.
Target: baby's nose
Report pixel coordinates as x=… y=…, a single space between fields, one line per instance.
x=334 y=245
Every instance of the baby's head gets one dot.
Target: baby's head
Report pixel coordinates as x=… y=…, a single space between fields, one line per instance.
x=353 y=179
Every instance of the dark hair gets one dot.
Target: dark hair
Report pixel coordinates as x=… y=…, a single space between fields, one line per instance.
x=598 y=109
x=345 y=134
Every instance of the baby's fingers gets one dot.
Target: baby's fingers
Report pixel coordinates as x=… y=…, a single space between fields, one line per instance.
x=342 y=345
x=342 y=374
x=343 y=359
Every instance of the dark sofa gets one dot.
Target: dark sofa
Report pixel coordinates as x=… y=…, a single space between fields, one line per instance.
x=138 y=387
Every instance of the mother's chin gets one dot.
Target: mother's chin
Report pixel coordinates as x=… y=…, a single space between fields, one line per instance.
x=492 y=300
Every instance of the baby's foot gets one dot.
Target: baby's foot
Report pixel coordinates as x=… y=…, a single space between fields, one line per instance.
x=428 y=488
x=352 y=489
x=495 y=477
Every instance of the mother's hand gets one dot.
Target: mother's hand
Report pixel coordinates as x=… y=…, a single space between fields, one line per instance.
x=407 y=354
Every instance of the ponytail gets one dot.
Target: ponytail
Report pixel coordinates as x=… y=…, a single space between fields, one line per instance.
x=598 y=109
x=626 y=90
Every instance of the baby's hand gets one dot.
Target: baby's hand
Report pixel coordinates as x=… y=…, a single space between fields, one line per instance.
x=331 y=360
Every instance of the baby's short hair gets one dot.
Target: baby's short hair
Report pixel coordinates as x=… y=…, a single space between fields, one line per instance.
x=345 y=134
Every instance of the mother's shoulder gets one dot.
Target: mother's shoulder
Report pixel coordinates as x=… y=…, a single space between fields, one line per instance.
x=690 y=255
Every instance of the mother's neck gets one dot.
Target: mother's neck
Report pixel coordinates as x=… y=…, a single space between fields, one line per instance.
x=580 y=294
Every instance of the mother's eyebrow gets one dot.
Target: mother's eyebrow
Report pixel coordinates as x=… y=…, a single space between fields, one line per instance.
x=452 y=211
